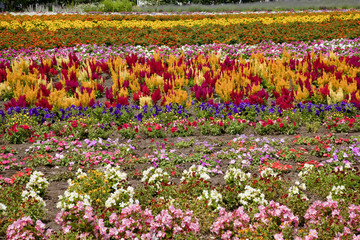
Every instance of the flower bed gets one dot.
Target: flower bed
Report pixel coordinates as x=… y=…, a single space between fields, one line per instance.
x=213 y=142
x=173 y=30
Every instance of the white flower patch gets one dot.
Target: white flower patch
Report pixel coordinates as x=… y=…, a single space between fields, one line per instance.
x=306 y=170
x=199 y=172
x=121 y=198
x=155 y=176
x=236 y=175
x=114 y=175
x=252 y=195
x=80 y=174
x=336 y=191
x=26 y=194
x=35 y=188
x=70 y=199
x=213 y=198
x=2 y=209
x=37 y=183
x=267 y=172
x=297 y=189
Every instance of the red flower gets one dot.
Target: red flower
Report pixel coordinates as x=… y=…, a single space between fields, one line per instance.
x=281 y=125
x=270 y=122
x=173 y=129
x=25 y=127
x=158 y=127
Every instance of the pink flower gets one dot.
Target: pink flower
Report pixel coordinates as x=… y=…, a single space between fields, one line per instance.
x=313 y=233
x=279 y=236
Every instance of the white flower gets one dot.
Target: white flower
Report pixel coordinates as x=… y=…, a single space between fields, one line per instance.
x=121 y=198
x=306 y=170
x=155 y=176
x=70 y=198
x=268 y=172
x=26 y=194
x=336 y=191
x=2 y=208
x=37 y=182
x=236 y=175
x=200 y=172
x=80 y=174
x=114 y=175
x=252 y=195
x=213 y=197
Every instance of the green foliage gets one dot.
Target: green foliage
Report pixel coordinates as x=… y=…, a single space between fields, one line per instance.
x=117 y=5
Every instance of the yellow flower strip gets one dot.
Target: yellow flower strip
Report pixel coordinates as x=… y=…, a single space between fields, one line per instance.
x=78 y=24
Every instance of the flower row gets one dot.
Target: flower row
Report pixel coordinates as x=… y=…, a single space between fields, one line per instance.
x=92 y=123
x=53 y=24
x=340 y=47
x=239 y=29
x=101 y=203
x=65 y=81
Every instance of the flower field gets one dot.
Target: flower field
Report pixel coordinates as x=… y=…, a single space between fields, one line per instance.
x=210 y=126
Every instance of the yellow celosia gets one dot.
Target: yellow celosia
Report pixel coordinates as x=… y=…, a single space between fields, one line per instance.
x=176 y=96
x=145 y=100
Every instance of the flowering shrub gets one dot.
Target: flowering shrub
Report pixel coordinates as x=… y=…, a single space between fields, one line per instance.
x=325 y=218
x=251 y=197
x=37 y=183
x=155 y=177
x=296 y=191
x=18 y=133
x=231 y=225
x=236 y=126
x=131 y=223
x=213 y=127
x=195 y=172
x=275 y=219
x=181 y=128
x=213 y=198
x=24 y=228
x=71 y=197
x=153 y=130
x=121 y=198
x=235 y=176
x=279 y=125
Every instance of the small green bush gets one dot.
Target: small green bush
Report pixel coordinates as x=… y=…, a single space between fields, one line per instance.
x=117 y=5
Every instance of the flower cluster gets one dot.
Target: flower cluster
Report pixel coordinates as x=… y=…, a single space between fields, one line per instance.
x=133 y=222
x=235 y=176
x=121 y=198
x=24 y=228
x=37 y=183
x=155 y=177
x=197 y=172
x=251 y=196
x=296 y=191
x=36 y=188
x=213 y=198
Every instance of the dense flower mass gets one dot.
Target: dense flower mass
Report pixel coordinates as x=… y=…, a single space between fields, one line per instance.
x=180 y=126
x=174 y=30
